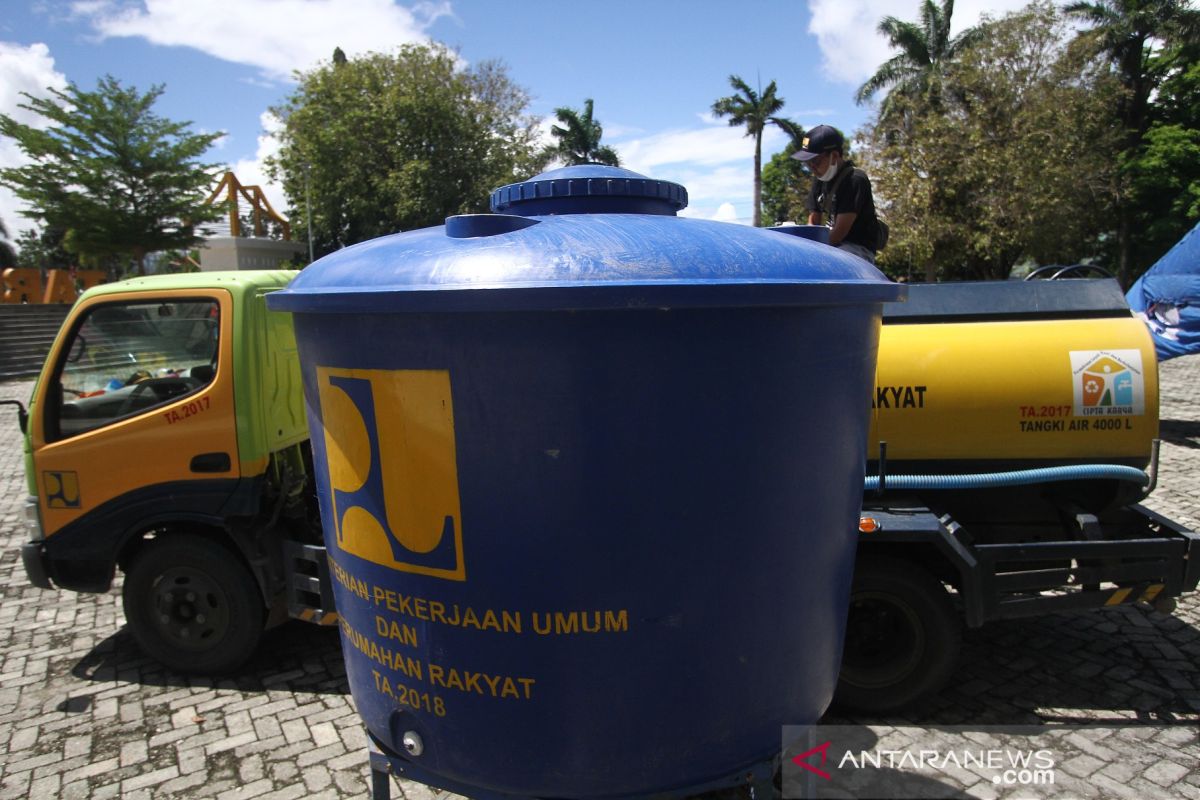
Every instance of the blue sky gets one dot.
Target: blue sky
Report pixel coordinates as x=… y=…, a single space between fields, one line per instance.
x=653 y=67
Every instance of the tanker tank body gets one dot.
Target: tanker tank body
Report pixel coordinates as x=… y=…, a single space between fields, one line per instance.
x=1050 y=388
x=1013 y=431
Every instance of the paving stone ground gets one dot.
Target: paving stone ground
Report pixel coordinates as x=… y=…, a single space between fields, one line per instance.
x=83 y=714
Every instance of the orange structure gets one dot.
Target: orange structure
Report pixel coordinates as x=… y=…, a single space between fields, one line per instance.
x=260 y=207
x=24 y=285
x=87 y=278
x=59 y=287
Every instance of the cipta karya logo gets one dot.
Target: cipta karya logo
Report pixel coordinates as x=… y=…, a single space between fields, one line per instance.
x=1108 y=383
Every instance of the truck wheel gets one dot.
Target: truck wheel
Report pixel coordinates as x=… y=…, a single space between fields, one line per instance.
x=902 y=637
x=192 y=604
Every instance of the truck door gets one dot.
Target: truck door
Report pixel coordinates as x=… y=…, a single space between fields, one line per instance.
x=136 y=400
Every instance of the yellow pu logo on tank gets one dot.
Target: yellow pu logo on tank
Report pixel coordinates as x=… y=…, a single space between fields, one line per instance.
x=393 y=473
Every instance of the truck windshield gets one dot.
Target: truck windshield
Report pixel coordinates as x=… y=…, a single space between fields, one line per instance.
x=126 y=358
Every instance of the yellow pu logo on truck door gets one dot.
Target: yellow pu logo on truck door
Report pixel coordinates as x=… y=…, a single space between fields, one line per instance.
x=62 y=489
x=393 y=472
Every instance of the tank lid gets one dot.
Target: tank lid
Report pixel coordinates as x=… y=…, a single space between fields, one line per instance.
x=583 y=238
x=590 y=189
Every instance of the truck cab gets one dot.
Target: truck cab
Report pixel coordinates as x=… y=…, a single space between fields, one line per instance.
x=166 y=438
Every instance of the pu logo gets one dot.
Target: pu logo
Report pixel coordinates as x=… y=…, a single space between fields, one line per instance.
x=393 y=474
x=1108 y=382
x=62 y=489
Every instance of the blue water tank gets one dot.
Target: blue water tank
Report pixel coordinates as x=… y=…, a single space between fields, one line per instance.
x=589 y=476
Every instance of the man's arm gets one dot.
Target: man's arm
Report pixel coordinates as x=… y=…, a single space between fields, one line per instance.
x=814 y=218
x=842 y=227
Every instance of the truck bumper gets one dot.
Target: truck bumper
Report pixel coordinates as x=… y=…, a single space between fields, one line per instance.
x=33 y=556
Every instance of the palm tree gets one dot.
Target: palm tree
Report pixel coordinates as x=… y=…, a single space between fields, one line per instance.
x=1125 y=30
x=793 y=129
x=925 y=47
x=579 y=141
x=748 y=108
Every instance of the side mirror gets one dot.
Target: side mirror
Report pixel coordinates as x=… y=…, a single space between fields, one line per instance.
x=22 y=414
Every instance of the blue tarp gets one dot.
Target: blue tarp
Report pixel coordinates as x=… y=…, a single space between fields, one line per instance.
x=1167 y=297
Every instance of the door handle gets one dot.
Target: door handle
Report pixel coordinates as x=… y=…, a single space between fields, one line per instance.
x=211 y=462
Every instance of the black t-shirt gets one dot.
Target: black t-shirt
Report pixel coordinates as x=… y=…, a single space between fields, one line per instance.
x=853 y=195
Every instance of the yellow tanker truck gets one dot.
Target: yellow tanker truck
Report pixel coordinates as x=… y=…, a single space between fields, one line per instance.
x=1014 y=430
x=1012 y=427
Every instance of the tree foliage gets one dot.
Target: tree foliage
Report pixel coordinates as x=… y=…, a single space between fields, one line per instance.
x=1164 y=172
x=915 y=73
x=1124 y=31
x=1017 y=165
x=784 y=181
x=1132 y=35
x=120 y=180
x=383 y=143
x=43 y=249
x=748 y=107
x=578 y=140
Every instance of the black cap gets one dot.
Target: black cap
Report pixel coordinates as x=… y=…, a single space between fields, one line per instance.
x=821 y=139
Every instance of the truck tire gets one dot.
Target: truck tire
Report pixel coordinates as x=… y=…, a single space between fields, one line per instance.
x=193 y=605
x=902 y=637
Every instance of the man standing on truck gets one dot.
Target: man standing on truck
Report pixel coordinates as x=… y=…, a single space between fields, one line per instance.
x=840 y=195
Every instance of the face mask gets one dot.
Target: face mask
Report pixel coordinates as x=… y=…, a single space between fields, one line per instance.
x=829 y=173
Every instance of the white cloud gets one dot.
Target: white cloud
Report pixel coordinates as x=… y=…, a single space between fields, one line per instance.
x=709 y=146
x=852 y=49
x=715 y=163
x=277 y=36
x=616 y=130
x=544 y=137
x=726 y=212
x=252 y=171
x=23 y=68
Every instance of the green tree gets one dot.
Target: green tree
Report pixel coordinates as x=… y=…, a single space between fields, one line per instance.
x=1129 y=32
x=383 y=143
x=747 y=107
x=1164 y=174
x=926 y=48
x=43 y=249
x=784 y=181
x=1018 y=166
x=119 y=179
x=578 y=142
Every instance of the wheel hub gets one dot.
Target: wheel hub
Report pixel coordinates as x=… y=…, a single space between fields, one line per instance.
x=190 y=608
x=883 y=640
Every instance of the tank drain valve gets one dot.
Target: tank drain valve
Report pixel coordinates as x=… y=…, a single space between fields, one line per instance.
x=412 y=743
